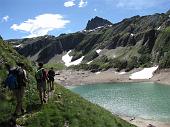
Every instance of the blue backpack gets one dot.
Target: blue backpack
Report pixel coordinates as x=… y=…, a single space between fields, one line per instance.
x=11 y=81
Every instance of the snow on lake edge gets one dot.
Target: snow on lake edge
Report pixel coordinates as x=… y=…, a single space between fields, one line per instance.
x=146 y=73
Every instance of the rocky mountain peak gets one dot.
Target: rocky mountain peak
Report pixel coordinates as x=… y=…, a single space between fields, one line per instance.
x=96 y=22
x=168 y=12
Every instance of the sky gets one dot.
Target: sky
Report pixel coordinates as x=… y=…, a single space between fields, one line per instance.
x=32 y=18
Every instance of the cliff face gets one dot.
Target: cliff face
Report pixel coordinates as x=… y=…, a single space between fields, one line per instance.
x=135 y=36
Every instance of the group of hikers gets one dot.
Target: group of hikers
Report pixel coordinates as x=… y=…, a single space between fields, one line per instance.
x=17 y=79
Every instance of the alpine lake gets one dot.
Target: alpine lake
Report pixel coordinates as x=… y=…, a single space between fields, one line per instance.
x=143 y=100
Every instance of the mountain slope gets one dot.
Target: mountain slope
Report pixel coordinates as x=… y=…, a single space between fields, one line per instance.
x=131 y=38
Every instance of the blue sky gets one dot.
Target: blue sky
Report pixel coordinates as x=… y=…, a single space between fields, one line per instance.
x=31 y=18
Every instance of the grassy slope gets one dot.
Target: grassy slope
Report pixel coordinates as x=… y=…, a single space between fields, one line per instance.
x=161 y=48
x=10 y=56
x=73 y=110
x=70 y=108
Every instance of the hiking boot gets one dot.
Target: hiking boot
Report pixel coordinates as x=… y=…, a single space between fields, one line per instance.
x=22 y=111
x=12 y=122
x=44 y=101
x=41 y=102
x=14 y=114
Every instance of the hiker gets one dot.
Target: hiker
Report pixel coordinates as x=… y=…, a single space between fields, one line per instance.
x=51 y=75
x=19 y=91
x=16 y=82
x=41 y=78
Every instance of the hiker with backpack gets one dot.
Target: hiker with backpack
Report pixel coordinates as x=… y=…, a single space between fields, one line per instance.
x=41 y=78
x=51 y=75
x=16 y=82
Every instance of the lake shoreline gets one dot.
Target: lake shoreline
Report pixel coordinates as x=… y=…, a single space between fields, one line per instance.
x=71 y=77
x=140 y=122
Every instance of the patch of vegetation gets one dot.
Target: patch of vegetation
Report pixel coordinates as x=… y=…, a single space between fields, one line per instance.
x=144 y=50
x=90 y=56
x=76 y=55
x=56 y=66
x=165 y=63
x=161 y=48
x=132 y=63
x=145 y=60
x=119 y=64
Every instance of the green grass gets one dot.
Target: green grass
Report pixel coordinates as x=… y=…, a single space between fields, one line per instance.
x=73 y=110
x=56 y=66
x=161 y=48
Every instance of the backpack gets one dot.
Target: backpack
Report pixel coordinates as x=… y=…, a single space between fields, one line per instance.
x=15 y=79
x=39 y=74
x=11 y=81
x=20 y=77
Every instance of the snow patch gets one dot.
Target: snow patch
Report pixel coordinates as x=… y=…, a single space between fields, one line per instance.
x=100 y=27
x=122 y=73
x=67 y=60
x=17 y=46
x=91 y=30
x=90 y=62
x=159 y=28
x=131 y=35
x=98 y=51
x=97 y=73
x=146 y=73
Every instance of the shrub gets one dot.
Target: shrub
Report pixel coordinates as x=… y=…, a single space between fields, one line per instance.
x=132 y=63
x=119 y=64
x=165 y=62
x=90 y=56
x=145 y=60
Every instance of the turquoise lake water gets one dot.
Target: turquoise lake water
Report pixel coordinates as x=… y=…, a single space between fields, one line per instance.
x=143 y=100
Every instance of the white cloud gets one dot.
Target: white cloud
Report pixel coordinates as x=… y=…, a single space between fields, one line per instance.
x=82 y=3
x=41 y=24
x=5 y=18
x=135 y=4
x=95 y=10
x=69 y=3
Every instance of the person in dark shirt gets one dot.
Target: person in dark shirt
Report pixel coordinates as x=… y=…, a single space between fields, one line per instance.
x=51 y=75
